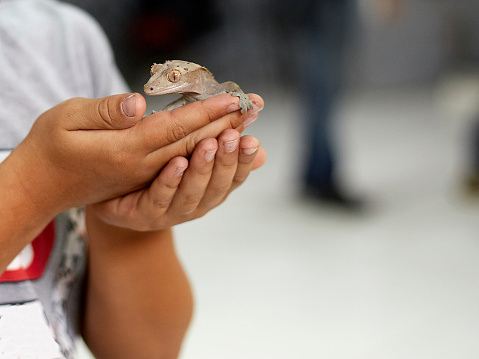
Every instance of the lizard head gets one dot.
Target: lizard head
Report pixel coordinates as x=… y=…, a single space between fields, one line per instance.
x=174 y=77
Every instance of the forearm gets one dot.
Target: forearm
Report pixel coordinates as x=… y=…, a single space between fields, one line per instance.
x=138 y=300
x=22 y=217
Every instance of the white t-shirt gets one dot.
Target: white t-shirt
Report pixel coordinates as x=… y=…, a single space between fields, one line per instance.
x=49 y=52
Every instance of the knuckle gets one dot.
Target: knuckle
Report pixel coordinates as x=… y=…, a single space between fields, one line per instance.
x=228 y=166
x=239 y=180
x=161 y=203
x=212 y=203
x=171 y=186
x=208 y=111
x=193 y=213
x=103 y=110
x=190 y=202
x=236 y=119
x=246 y=160
x=74 y=102
x=221 y=190
x=178 y=130
x=189 y=144
x=69 y=108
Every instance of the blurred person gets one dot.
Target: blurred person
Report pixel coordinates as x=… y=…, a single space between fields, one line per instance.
x=72 y=136
x=321 y=82
x=471 y=182
x=317 y=31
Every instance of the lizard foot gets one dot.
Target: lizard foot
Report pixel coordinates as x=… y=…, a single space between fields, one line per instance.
x=244 y=101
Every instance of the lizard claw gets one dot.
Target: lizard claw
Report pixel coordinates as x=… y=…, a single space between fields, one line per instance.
x=244 y=101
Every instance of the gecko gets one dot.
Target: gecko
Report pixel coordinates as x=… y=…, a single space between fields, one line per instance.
x=193 y=81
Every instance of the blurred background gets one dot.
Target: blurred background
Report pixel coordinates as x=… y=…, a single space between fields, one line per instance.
x=359 y=238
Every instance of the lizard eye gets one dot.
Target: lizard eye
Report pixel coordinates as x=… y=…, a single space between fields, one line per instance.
x=174 y=76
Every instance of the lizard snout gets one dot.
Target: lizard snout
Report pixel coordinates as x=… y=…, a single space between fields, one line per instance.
x=149 y=89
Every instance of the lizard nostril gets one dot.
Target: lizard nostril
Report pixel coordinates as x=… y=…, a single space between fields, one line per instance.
x=151 y=88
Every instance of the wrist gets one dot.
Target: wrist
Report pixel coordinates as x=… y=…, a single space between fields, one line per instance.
x=36 y=181
x=21 y=194
x=112 y=234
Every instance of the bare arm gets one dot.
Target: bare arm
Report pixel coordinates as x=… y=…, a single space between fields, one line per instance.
x=22 y=217
x=138 y=302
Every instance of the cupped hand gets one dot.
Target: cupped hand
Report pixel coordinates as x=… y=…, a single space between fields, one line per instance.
x=184 y=190
x=87 y=150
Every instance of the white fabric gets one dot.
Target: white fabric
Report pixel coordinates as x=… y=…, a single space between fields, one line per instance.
x=49 y=52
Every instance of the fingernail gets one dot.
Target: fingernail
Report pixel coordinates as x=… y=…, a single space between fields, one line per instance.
x=180 y=170
x=210 y=155
x=256 y=108
x=230 y=146
x=250 y=120
x=249 y=151
x=128 y=106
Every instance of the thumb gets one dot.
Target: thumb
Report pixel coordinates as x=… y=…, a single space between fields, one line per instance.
x=119 y=112
x=116 y=112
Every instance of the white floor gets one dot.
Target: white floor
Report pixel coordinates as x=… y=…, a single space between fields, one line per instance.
x=278 y=277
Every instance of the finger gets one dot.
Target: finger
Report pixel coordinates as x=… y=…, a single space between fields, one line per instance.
x=252 y=115
x=224 y=169
x=185 y=116
x=108 y=113
x=195 y=180
x=249 y=148
x=249 y=120
x=189 y=124
x=163 y=189
x=260 y=158
x=185 y=146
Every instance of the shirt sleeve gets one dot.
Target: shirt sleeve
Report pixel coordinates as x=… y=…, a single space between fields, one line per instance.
x=93 y=62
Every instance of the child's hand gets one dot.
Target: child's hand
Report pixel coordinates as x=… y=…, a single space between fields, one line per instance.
x=87 y=150
x=183 y=191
